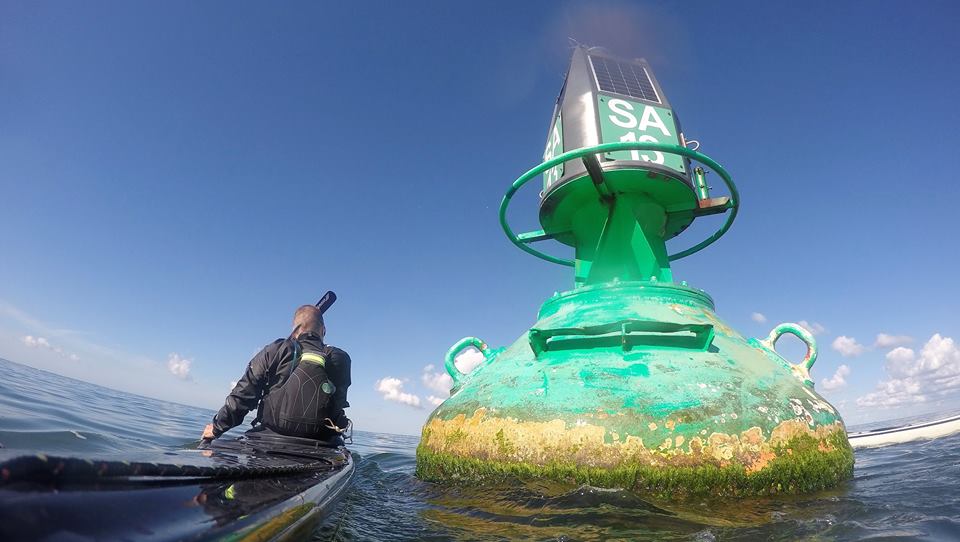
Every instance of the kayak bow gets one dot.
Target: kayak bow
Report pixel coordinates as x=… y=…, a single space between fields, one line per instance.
x=251 y=488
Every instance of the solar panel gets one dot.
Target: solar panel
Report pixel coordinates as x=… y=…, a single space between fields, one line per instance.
x=623 y=78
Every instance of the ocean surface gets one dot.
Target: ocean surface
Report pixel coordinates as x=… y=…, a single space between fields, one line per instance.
x=901 y=492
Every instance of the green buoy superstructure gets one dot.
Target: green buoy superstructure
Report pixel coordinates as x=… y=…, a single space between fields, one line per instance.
x=631 y=379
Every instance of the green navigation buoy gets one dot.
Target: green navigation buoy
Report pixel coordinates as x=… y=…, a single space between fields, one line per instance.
x=631 y=380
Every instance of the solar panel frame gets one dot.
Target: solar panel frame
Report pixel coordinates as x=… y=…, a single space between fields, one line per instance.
x=628 y=78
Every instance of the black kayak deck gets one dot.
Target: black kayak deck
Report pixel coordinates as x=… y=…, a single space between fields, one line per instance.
x=251 y=488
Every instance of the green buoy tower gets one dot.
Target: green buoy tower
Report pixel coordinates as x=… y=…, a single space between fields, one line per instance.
x=630 y=379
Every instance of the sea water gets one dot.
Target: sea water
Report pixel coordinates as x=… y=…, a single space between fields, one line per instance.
x=901 y=492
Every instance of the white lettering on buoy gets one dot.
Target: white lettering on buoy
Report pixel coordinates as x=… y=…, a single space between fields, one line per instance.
x=554 y=148
x=627 y=121
x=622 y=107
x=623 y=117
x=651 y=118
x=636 y=155
x=658 y=156
x=555 y=143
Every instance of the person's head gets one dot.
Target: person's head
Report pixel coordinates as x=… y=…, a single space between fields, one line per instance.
x=308 y=318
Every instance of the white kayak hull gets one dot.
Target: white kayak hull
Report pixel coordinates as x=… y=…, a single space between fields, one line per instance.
x=905 y=433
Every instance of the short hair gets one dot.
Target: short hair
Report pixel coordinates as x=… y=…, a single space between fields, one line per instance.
x=307 y=318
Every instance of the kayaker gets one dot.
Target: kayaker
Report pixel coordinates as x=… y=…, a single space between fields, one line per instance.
x=298 y=386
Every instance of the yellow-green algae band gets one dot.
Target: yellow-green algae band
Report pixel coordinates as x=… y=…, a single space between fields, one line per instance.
x=793 y=459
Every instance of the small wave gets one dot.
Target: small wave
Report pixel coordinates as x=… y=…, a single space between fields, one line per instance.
x=59 y=442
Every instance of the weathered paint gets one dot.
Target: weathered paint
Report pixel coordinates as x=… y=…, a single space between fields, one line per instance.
x=660 y=393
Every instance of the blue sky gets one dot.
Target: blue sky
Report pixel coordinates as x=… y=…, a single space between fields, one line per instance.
x=176 y=178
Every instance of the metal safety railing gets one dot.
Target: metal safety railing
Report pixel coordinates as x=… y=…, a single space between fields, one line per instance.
x=587 y=153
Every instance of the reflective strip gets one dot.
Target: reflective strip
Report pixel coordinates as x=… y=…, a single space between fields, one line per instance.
x=313 y=358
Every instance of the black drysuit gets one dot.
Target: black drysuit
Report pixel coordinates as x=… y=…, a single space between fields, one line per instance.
x=269 y=369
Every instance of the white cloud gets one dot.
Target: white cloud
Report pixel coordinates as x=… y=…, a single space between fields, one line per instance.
x=893 y=393
x=758 y=317
x=392 y=390
x=900 y=361
x=468 y=360
x=886 y=341
x=36 y=342
x=914 y=378
x=98 y=362
x=438 y=381
x=815 y=328
x=44 y=344
x=847 y=346
x=434 y=400
x=939 y=357
x=838 y=380
x=179 y=366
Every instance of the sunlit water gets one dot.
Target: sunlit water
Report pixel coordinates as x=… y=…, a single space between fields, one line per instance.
x=902 y=492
